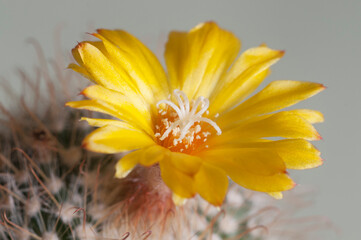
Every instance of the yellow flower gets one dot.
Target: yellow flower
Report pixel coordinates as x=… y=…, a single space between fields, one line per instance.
x=195 y=121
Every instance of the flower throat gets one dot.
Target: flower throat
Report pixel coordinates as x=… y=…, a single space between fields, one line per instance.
x=181 y=126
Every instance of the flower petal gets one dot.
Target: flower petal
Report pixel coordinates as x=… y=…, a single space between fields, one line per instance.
x=126 y=164
x=137 y=61
x=211 y=183
x=176 y=51
x=196 y=60
x=276 y=195
x=178 y=201
x=244 y=77
x=95 y=105
x=81 y=70
x=147 y=157
x=296 y=153
x=111 y=139
x=258 y=161
x=180 y=183
x=103 y=71
x=275 y=96
x=256 y=170
x=185 y=163
x=115 y=98
x=311 y=116
x=132 y=110
x=282 y=124
x=152 y=155
x=98 y=122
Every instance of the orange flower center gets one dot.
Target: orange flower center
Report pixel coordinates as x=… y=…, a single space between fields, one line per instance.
x=180 y=124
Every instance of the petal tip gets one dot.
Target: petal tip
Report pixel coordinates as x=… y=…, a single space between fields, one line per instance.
x=84 y=145
x=319 y=137
x=122 y=174
x=178 y=201
x=83 y=92
x=79 y=45
x=322 y=161
x=97 y=35
x=69 y=104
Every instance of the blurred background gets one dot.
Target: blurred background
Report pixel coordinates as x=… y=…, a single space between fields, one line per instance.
x=322 y=41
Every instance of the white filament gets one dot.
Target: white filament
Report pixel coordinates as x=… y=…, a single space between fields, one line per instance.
x=186 y=116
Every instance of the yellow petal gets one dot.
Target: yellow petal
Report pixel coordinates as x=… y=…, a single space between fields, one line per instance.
x=244 y=77
x=115 y=98
x=275 y=96
x=185 y=163
x=111 y=139
x=296 y=153
x=129 y=109
x=176 y=51
x=77 y=56
x=137 y=61
x=281 y=124
x=179 y=201
x=311 y=116
x=126 y=164
x=152 y=155
x=81 y=70
x=98 y=122
x=147 y=157
x=196 y=60
x=253 y=169
x=257 y=161
x=95 y=105
x=276 y=195
x=211 y=183
x=179 y=182
x=103 y=71
x=104 y=107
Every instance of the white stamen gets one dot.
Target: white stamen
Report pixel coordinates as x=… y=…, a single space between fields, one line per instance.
x=198 y=128
x=176 y=131
x=206 y=134
x=213 y=124
x=165 y=122
x=157 y=135
x=185 y=99
x=180 y=102
x=186 y=116
x=172 y=105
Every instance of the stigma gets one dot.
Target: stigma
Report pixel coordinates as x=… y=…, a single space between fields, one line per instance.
x=181 y=124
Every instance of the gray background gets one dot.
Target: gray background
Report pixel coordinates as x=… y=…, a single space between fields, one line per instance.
x=322 y=41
